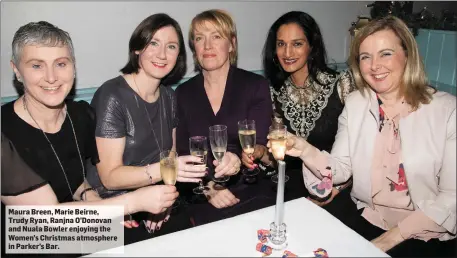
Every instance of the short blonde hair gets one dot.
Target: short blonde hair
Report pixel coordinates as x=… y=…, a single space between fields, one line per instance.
x=224 y=25
x=414 y=85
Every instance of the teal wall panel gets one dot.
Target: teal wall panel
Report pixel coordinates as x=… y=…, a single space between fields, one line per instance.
x=438 y=51
x=433 y=57
x=448 y=59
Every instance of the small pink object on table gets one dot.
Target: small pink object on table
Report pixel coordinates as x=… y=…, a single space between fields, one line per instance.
x=262 y=235
x=287 y=254
x=320 y=253
x=265 y=249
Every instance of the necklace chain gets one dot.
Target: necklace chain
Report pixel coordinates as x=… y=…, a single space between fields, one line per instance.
x=149 y=117
x=52 y=147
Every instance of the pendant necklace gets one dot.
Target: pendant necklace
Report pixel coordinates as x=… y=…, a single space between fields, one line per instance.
x=52 y=147
x=149 y=117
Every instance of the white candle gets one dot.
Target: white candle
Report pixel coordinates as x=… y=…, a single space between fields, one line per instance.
x=280 y=193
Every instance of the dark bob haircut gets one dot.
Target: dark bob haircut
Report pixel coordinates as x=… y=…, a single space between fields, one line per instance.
x=317 y=59
x=143 y=35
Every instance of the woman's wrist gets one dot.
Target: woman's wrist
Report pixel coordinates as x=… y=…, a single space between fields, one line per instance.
x=264 y=157
x=132 y=202
x=308 y=151
x=267 y=161
x=152 y=174
x=89 y=194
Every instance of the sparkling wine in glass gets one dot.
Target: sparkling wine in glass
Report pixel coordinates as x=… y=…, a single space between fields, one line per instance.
x=218 y=142
x=278 y=139
x=198 y=147
x=169 y=169
x=247 y=135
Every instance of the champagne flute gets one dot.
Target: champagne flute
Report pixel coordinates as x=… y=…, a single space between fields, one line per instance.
x=169 y=173
x=247 y=135
x=218 y=141
x=278 y=139
x=169 y=169
x=198 y=146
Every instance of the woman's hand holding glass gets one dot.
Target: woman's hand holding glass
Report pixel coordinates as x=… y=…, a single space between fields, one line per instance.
x=230 y=165
x=218 y=142
x=259 y=153
x=277 y=137
x=156 y=199
x=198 y=147
x=295 y=146
x=247 y=135
x=189 y=173
x=169 y=174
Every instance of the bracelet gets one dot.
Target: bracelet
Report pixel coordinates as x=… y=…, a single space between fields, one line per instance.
x=147 y=173
x=263 y=154
x=269 y=164
x=84 y=191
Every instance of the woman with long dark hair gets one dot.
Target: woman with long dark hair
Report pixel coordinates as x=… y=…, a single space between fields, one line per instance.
x=308 y=96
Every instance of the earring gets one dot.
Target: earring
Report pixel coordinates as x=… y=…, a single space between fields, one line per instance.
x=19 y=79
x=276 y=63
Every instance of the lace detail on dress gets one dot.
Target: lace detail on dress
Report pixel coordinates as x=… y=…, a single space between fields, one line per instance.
x=303 y=106
x=346 y=85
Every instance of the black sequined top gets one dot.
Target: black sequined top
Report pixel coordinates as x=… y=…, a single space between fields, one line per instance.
x=147 y=127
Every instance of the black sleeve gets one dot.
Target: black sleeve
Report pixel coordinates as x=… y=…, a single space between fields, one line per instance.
x=109 y=114
x=182 y=134
x=261 y=110
x=17 y=176
x=90 y=145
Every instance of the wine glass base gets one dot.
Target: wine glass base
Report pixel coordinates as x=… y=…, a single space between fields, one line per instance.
x=250 y=172
x=221 y=179
x=275 y=178
x=250 y=179
x=200 y=190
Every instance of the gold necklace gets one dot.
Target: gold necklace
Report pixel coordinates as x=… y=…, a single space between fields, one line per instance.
x=52 y=147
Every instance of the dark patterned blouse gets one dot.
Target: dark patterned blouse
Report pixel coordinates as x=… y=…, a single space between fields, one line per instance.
x=312 y=111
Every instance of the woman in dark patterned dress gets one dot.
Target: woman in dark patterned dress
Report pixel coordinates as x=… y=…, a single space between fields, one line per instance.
x=307 y=95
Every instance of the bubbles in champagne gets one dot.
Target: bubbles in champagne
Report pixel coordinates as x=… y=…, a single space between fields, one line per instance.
x=247 y=140
x=278 y=144
x=168 y=171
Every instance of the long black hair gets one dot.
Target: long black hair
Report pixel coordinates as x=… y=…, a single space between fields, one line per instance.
x=317 y=59
x=141 y=37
